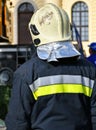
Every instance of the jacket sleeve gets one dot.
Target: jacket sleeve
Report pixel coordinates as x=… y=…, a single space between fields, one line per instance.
x=20 y=105
x=93 y=107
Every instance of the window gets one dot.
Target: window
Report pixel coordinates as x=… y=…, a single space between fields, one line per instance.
x=25 y=12
x=80 y=19
x=26 y=7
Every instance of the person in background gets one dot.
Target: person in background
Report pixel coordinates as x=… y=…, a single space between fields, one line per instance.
x=92 y=52
x=56 y=88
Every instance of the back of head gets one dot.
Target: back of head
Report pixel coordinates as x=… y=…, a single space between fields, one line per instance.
x=51 y=33
x=92 y=48
x=49 y=24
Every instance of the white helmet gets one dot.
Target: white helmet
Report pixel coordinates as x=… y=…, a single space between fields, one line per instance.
x=49 y=24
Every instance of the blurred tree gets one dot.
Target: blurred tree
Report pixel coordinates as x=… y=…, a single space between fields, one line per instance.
x=4 y=100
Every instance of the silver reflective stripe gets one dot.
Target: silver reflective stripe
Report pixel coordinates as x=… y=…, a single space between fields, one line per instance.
x=61 y=79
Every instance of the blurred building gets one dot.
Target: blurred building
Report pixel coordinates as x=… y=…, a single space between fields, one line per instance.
x=17 y=14
x=0 y=17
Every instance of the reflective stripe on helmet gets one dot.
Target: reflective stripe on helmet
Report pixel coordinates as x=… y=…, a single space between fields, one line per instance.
x=62 y=84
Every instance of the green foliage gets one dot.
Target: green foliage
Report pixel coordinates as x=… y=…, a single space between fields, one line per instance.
x=4 y=100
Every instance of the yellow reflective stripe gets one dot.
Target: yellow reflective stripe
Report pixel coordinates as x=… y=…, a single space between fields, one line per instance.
x=62 y=88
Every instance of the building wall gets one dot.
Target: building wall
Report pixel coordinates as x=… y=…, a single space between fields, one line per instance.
x=0 y=17
x=65 y=4
x=57 y=2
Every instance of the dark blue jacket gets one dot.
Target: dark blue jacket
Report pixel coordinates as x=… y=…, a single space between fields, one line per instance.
x=53 y=96
x=92 y=58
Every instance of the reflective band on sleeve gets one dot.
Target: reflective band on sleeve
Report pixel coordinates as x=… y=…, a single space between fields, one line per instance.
x=62 y=84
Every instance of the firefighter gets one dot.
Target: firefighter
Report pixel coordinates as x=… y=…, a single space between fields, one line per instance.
x=56 y=88
x=92 y=52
